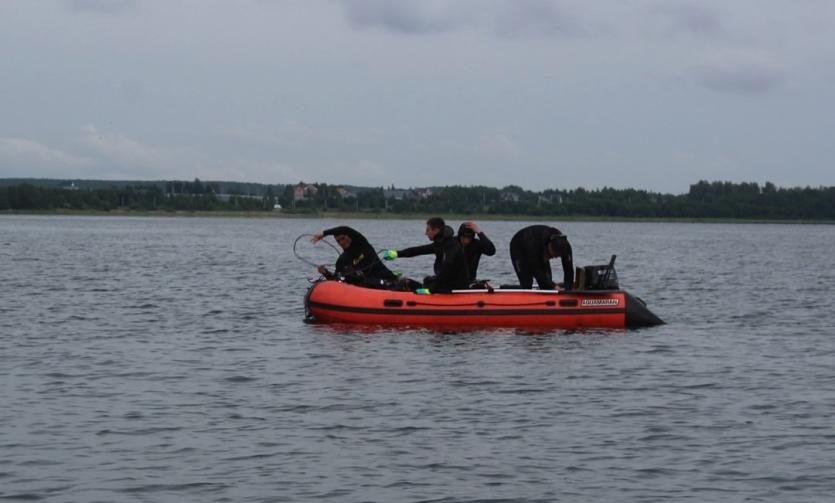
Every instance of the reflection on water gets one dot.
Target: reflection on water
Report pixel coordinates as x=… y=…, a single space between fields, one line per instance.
x=168 y=360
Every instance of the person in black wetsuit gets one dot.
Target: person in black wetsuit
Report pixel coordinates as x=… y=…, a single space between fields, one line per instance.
x=532 y=248
x=450 y=264
x=474 y=247
x=358 y=261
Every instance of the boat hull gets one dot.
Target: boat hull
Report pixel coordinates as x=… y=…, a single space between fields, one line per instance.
x=338 y=302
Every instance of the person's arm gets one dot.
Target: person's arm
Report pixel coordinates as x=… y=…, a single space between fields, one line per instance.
x=487 y=246
x=355 y=236
x=567 y=269
x=414 y=251
x=542 y=273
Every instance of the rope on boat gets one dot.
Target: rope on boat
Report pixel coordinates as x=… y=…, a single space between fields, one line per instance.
x=335 y=248
x=481 y=304
x=308 y=262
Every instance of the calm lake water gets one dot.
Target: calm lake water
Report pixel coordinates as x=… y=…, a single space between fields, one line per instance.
x=165 y=359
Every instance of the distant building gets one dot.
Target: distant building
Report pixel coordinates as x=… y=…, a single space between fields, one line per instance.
x=509 y=197
x=423 y=193
x=71 y=186
x=345 y=193
x=399 y=194
x=303 y=191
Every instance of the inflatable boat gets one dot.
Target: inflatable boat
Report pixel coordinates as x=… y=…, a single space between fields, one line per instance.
x=333 y=301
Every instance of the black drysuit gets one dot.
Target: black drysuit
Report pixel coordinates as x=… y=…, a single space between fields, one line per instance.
x=359 y=259
x=450 y=264
x=474 y=251
x=529 y=254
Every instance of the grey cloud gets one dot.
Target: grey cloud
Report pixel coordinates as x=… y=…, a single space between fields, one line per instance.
x=534 y=17
x=502 y=17
x=741 y=80
x=403 y=16
x=688 y=17
x=740 y=73
x=102 y=6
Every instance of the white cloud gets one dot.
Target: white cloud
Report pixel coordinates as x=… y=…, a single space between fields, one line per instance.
x=116 y=147
x=24 y=157
x=118 y=155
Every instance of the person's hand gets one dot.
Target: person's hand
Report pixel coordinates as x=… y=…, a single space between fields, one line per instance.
x=474 y=226
x=389 y=254
x=323 y=270
x=317 y=237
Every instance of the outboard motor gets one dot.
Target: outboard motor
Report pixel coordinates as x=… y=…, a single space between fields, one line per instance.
x=604 y=277
x=598 y=277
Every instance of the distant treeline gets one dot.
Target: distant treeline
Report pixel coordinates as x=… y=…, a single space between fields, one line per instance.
x=218 y=187
x=704 y=200
x=191 y=197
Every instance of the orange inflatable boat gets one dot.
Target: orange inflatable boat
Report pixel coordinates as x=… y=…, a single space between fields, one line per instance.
x=332 y=301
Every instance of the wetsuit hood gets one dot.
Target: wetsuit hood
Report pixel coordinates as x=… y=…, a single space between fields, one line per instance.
x=445 y=234
x=463 y=230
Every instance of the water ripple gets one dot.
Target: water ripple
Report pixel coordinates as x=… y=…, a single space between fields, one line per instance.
x=167 y=360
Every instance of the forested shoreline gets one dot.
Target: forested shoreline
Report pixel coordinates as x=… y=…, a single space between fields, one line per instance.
x=708 y=200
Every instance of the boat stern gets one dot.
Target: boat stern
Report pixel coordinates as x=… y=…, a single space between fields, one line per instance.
x=637 y=313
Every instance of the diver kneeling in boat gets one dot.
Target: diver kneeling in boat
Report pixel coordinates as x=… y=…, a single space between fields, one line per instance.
x=358 y=263
x=532 y=248
x=474 y=247
x=450 y=264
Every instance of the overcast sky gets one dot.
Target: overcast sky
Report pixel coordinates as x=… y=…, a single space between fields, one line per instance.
x=652 y=94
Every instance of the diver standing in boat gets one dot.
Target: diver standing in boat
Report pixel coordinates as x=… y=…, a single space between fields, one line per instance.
x=358 y=261
x=475 y=244
x=531 y=250
x=450 y=264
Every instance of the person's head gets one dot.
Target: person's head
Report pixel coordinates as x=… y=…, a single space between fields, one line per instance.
x=343 y=240
x=434 y=226
x=558 y=245
x=465 y=234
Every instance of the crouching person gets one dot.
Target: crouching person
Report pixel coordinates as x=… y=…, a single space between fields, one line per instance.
x=450 y=266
